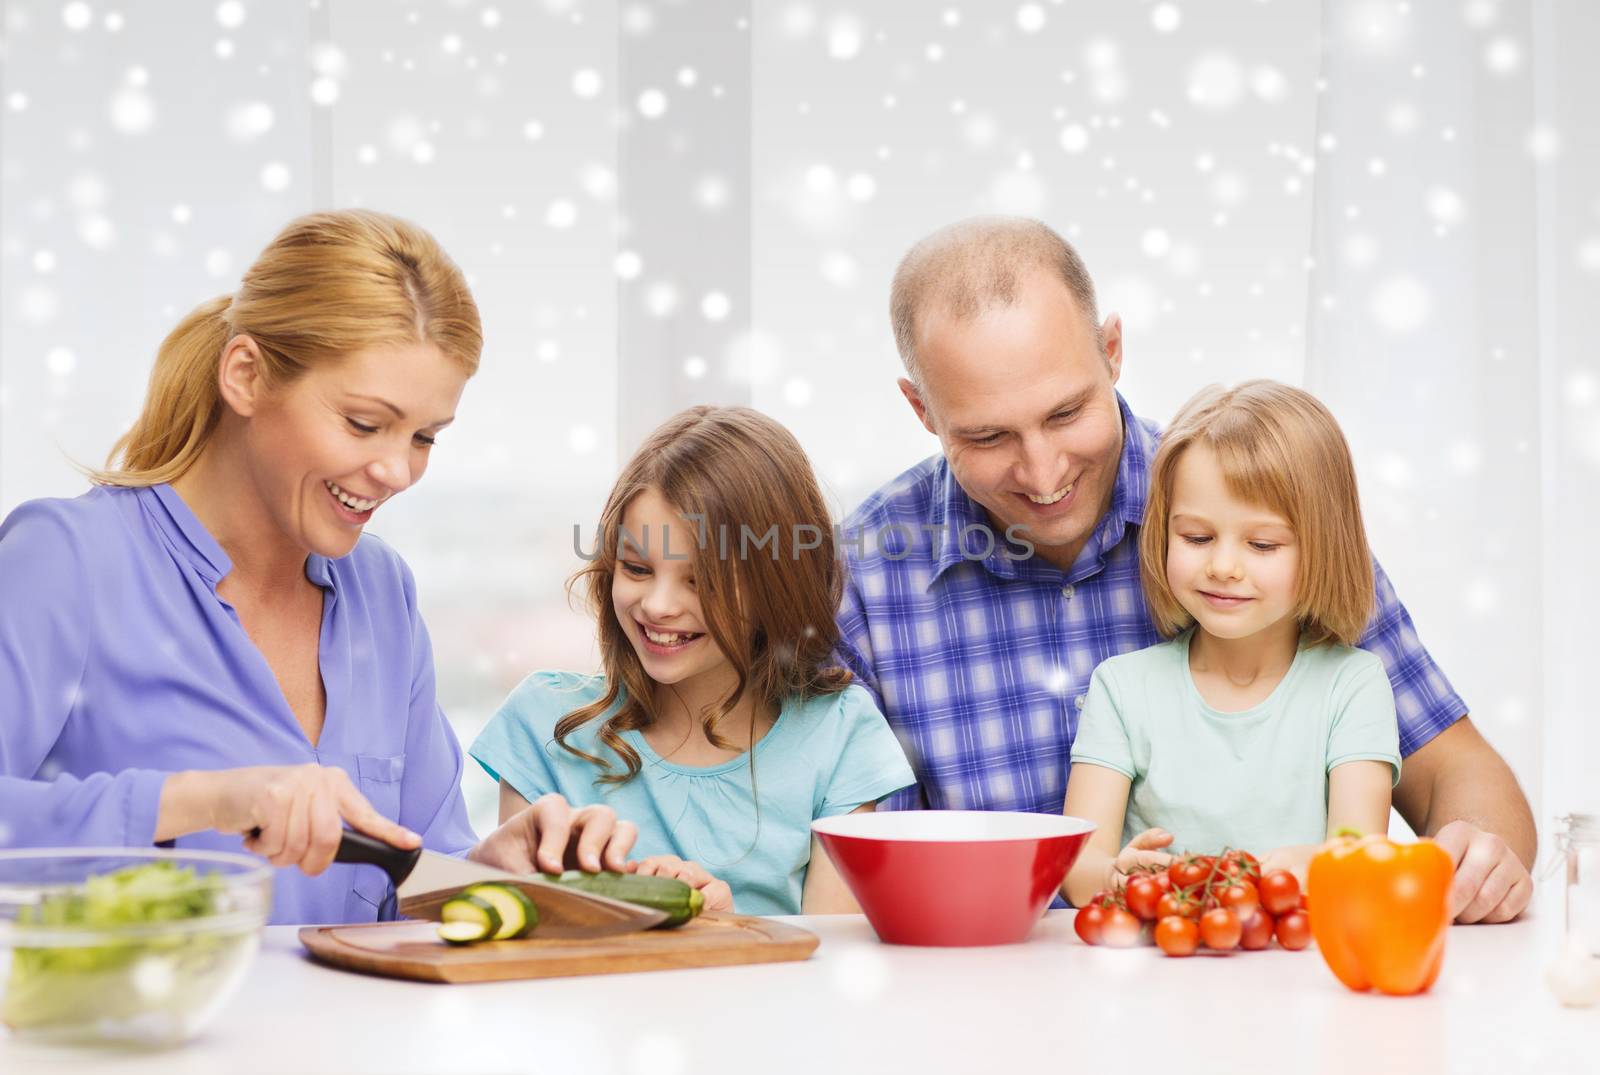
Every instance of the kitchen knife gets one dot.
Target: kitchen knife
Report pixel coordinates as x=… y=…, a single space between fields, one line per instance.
x=423 y=880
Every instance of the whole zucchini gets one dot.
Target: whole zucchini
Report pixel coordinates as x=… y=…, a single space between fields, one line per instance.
x=679 y=901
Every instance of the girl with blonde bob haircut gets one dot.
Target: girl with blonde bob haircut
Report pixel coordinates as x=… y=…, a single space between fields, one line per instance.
x=1257 y=725
x=714 y=586
x=1279 y=447
x=205 y=648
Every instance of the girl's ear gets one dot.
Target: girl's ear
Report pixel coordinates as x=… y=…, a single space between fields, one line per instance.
x=240 y=376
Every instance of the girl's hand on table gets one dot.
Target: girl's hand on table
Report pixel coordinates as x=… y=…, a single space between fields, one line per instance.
x=1142 y=850
x=550 y=836
x=292 y=815
x=1295 y=859
x=718 y=896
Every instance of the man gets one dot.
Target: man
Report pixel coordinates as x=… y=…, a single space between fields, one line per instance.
x=987 y=583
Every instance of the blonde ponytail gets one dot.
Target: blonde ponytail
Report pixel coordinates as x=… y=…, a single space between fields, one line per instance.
x=330 y=285
x=180 y=408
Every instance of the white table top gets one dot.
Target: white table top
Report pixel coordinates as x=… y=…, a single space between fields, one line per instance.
x=1049 y=1005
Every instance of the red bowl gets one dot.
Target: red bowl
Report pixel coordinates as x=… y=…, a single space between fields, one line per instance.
x=953 y=877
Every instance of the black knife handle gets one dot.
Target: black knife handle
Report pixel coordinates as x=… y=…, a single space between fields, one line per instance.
x=358 y=847
x=366 y=850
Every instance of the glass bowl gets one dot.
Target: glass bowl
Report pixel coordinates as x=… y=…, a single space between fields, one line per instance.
x=125 y=944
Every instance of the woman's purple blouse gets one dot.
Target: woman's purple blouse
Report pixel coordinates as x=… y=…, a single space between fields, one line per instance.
x=120 y=665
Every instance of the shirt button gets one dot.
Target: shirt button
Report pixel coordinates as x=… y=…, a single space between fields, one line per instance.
x=1068 y=590
x=1080 y=701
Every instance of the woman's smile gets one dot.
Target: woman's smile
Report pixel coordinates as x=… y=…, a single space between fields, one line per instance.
x=352 y=509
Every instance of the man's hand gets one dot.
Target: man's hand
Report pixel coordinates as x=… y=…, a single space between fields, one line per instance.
x=550 y=836
x=1492 y=884
x=1459 y=775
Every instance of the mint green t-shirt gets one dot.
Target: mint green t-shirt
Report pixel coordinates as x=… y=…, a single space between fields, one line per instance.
x=823 y=756
x=1256 y=779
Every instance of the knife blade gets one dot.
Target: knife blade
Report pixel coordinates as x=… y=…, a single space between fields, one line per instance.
x=424 y=880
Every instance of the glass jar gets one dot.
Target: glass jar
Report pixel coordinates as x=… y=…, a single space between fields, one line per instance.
x=1579 y=841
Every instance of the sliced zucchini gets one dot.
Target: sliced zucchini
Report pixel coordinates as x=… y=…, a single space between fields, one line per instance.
x=473 y=910
x=461 y=932
x=518 y=915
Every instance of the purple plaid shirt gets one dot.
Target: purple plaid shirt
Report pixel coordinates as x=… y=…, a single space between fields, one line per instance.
x=981 y=659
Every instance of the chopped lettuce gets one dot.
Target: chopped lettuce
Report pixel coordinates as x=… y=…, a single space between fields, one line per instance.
x=150 y=980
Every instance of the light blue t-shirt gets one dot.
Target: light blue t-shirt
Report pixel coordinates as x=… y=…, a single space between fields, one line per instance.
x=1256 y=779
x=823 y=756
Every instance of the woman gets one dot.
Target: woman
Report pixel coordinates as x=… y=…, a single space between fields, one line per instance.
x=205 y=646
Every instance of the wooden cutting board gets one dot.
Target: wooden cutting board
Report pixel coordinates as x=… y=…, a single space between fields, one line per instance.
x=414 y=950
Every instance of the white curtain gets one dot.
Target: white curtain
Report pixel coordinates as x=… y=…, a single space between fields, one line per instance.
x=1456 y=242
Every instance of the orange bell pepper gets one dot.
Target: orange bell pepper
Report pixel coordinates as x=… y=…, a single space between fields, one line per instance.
x=1380 y=911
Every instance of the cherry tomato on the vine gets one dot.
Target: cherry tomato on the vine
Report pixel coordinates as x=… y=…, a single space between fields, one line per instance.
x=1256 y=933
x=1241 y=898
x=1187 y=872
x=1170 y=904
x=1089 y=922
x=1177 y=936
x=1280 y=892
x=1294 y=930
x=1121 y=929
x=1242 y=864
x=1142 y=894
x=1220 y=929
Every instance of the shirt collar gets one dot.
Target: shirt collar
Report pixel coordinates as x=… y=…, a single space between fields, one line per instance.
x=185 y=532
x=965 y=534
x=1133 y=474
x=190 y=539
x=954 y=511
x=319 y=569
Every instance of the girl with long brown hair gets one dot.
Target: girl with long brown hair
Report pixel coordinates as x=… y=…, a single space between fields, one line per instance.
x=720 y=723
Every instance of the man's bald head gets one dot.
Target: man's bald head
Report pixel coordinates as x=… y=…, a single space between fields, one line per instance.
x=974 y=264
